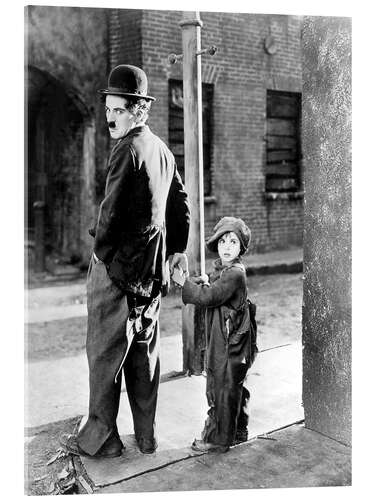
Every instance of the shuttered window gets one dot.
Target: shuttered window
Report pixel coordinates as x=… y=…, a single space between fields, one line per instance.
x=283 y=141
x=176 y=128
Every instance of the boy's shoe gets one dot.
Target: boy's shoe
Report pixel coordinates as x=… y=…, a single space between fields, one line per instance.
x=147 y=446
x=108 y=450
x=199 y=445
x=240 y=437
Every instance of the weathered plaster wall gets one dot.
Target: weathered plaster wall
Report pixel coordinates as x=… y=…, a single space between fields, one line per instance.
x=326 y=49
x=69 y=45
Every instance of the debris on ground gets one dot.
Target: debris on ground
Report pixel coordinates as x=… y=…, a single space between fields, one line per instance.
x=66 y=482
x=41 y=478
x=85 y=485
x=64 y=473
x=265 y=436
x=60 y=454
x=67 y=486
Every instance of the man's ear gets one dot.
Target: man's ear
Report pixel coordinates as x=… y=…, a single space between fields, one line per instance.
x=138 y=114
x=135 y=114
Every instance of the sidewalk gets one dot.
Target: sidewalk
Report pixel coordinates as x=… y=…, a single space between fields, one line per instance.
x=273 y=457
x=280 y=453
x=182 y=409
x=294 y=457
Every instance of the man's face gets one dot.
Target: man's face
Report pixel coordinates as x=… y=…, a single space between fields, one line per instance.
x=119 y=119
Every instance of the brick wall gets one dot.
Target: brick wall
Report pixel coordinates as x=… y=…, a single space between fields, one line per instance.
x=241 y=72
x=79 y=46
x=125 y=40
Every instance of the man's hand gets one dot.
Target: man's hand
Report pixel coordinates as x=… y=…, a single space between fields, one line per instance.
x=179 y=260
x=178 y=277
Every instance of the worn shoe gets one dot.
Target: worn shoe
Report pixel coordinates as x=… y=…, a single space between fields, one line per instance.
x=199 y=445
x=147 y=446
x=108 y=450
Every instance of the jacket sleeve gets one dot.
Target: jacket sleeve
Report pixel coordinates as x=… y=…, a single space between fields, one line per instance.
x=113 y=208
x=214 y=295
x=177 y=216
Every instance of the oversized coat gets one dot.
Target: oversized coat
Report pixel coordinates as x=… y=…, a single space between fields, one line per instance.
x=144 y=216
x=228 y=341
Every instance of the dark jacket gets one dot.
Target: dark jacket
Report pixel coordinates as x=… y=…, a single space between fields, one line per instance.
x=227 y=315
x=144 y=216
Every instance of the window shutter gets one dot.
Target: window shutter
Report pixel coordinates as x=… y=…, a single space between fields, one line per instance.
x=283 y=141
x=176 y=128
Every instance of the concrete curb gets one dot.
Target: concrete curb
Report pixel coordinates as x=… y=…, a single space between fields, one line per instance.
x=279 y=268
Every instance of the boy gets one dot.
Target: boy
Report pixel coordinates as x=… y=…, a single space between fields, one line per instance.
x=230 y=350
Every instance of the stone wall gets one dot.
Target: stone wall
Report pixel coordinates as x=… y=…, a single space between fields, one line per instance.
x=327 y=232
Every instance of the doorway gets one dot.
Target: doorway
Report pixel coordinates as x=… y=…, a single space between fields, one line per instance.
x=53 y=170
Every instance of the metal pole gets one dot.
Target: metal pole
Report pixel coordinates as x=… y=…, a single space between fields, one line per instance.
x=193 y=317
x=192 y=82
x=200 y=159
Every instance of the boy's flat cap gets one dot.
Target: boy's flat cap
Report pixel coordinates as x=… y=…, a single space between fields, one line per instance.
x=226 y=225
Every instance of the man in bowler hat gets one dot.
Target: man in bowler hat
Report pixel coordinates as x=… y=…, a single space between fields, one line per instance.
x=143 y=220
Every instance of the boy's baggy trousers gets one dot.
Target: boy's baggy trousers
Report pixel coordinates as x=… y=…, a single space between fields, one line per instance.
x=121 y=335
x=228 y=360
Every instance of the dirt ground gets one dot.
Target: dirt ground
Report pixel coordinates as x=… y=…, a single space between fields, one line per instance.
x=278 y=298
x=279 y=306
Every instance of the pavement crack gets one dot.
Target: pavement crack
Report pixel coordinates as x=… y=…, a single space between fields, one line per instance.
x=153 y=469
x=275 y=347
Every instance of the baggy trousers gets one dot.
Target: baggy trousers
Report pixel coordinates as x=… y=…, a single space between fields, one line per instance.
x=228 y=410
x=227 y=398
x=121 y=335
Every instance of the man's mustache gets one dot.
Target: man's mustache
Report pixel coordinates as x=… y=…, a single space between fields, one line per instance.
x=111 y=124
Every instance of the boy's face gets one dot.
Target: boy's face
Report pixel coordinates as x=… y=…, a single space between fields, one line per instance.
x=228 y=247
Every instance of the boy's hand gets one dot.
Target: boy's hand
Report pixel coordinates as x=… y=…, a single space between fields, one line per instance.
x=202 y=280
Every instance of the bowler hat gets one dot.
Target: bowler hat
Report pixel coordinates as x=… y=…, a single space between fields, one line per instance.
x=230 y=224
x=126 y=80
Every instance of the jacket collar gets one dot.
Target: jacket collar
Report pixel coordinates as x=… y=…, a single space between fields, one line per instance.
x=218 y=266
x=136 y=130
